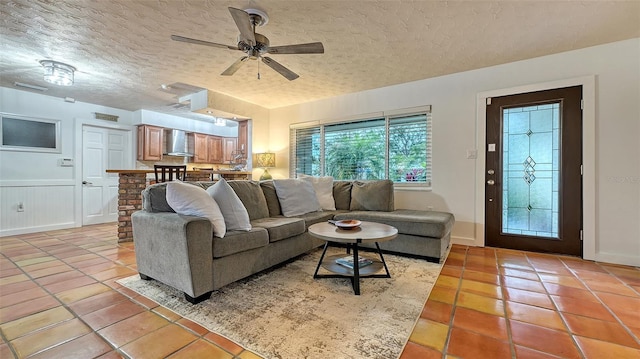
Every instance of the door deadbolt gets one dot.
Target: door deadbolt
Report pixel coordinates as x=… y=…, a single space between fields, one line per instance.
x=491 y=182
x=491 y=172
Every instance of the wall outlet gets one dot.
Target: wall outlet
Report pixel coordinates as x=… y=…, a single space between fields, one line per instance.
x=20 y=207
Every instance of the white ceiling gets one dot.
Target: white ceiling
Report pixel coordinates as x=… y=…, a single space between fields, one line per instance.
x=123 y=52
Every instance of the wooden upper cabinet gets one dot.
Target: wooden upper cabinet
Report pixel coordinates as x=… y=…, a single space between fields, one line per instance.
x=200 y=148
x=150 y=142
x=216 y=154
x=230 y=145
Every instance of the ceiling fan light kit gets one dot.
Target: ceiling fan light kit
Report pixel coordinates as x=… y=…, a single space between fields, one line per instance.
x=58 y=73
x=255 y=45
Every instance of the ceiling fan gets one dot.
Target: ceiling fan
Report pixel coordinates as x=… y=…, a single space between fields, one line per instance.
x=255 y=45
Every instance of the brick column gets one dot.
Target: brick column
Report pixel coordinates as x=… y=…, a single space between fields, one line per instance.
x=130 y=188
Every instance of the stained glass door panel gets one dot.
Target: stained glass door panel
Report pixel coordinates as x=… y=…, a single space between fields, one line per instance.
x=530 y=170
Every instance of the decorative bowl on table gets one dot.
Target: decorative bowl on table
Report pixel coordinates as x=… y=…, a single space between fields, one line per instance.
x=348 y=224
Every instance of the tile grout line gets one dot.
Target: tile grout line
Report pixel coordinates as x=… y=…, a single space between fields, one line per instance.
x=605 y=305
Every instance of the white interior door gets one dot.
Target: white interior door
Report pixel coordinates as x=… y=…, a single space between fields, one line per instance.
x=102 y=149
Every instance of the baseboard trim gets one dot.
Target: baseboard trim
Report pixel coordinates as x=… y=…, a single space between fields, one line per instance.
x=617 y=259
x=465 y=241
x=53 y=227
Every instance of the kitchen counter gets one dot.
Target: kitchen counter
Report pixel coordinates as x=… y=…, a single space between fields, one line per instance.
x=132 y=181
x=151 y=170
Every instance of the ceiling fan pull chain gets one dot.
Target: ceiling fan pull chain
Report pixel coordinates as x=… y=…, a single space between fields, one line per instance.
x=258 y=70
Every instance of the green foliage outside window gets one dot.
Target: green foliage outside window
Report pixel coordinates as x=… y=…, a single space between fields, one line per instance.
x=360 y=150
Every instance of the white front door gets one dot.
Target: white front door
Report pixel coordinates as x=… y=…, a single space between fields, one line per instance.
x=102 y=149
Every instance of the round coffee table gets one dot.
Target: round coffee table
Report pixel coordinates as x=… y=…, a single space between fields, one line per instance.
x=367 y=232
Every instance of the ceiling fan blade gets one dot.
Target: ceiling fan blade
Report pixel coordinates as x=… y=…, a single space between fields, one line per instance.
x=235 y=66
x=310 y=48
x=201 y=42
x=243 y=22
x=290 y=75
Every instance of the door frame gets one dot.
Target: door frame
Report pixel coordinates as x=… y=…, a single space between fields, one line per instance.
x=79 y=124
x=588 y=84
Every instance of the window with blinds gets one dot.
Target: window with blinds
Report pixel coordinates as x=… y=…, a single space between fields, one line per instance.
x=395 y=147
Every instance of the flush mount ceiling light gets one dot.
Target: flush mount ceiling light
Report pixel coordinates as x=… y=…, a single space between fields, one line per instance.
x=58 y=73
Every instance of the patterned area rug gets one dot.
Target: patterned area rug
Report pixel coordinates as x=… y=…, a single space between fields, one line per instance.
x=285 y=313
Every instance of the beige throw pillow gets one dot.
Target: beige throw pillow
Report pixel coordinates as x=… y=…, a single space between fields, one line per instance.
x=324 y=190
x=190 y=200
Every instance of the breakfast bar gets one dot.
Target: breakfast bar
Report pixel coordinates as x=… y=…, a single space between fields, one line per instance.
x=131 y=183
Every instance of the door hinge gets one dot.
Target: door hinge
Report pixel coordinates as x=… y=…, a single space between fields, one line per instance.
x=488 y=100
x=581 y=170
x=581 y=235
x=582 y=104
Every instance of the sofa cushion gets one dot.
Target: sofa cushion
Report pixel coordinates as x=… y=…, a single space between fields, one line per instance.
x=271 y=196
x=419 y=223
x=252 y=197
x=233 y=211
x=280 y=227
x=191 y=200
x=372 y=196
x=239 y=241
x=323 y=186
x=342 y=194
x=317 y=217
x=296 y=197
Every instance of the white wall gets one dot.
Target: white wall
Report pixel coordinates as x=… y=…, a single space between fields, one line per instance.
x=48 y=191
x=455 y=129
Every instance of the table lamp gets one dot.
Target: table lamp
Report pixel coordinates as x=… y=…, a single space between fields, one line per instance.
x=265 y=160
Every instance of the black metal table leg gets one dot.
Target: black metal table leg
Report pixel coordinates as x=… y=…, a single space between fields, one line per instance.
x=315 y=275
x=356 y=269
x=384 y=263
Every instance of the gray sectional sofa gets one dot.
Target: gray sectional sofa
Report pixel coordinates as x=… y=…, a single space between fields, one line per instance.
x=181 y=251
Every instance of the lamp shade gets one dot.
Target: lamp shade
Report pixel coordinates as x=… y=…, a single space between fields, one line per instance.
x=266 y=160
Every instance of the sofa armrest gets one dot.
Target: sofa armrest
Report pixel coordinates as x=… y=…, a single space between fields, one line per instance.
x=175 y=250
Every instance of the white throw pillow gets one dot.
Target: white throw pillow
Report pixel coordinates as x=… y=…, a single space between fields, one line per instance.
x=233 y=211
x=192 y=200
x=324 y=190
x=296 y=197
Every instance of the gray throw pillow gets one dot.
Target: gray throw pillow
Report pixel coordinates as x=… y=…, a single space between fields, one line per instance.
x=296 y=197
x=372 y=196
x=271 y=196
x=233 y=211
x=252 y=198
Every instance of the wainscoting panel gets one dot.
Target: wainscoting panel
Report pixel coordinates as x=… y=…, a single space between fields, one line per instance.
x=34 y=207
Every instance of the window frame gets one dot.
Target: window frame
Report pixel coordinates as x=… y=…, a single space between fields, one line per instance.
x=388 y=117
x=57 y=148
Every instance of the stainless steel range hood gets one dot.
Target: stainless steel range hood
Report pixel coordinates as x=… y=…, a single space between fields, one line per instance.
x=179 y=143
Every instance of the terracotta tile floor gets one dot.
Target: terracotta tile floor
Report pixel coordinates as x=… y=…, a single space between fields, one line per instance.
x=498 y=303
x=59 y=299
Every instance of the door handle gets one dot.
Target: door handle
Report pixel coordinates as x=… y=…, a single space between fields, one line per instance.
x=491 y=182
x=87 y=183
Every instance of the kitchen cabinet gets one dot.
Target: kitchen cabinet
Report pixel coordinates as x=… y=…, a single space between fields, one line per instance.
x=207 y=149
x=216 y=154
x=200 y=148
x=150 y=143
x=230 y=145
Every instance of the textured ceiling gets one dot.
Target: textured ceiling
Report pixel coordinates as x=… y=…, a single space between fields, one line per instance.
x=123 y=51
